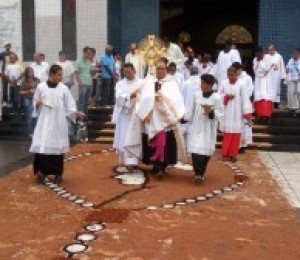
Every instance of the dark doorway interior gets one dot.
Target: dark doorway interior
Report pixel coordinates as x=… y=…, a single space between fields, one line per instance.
x=205 y=19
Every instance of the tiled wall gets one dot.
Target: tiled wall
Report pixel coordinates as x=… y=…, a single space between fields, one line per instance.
x=279 y=23
x=131 y=20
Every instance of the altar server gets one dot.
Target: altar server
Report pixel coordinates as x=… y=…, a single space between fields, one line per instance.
x=50 y=139
x=237 y=108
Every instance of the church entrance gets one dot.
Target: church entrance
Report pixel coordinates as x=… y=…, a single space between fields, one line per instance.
x=206 y=24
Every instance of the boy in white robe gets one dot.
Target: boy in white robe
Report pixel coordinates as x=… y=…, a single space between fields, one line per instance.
x=263 y=90
x=50 y=139
x=137 y=60
x=204 y=114
x=278 y=73
x=246 y=135
x=237 y=108
x=125 y=93
x=177 y=76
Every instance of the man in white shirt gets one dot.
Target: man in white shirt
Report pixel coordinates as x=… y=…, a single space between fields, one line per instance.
x=40 y=67
x=14 y=73
x=173 y=52
x=137 y=60
x=67 y=69
x=277 y=73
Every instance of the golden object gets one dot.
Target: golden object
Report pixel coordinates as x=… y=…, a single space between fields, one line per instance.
x=152 y=50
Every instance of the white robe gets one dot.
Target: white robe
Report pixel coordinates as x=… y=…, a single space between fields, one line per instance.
x=278 y=73
x=224 y=61
x=203 y=137
x=122 y=114
x=51 y=132
x=246 y=135
x=138 y=63
x=189 y=88
x=145 y=107
x=263 y=83
x=174 y=54
x=240 y=105
x=179 y=79
x=207 y=70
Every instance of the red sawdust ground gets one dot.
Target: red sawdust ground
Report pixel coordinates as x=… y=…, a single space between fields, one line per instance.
x=254 y=222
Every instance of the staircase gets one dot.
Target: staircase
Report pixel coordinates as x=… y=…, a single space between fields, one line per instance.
x=283 y=134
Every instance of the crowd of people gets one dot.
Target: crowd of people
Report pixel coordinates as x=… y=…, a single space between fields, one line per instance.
x=166 y=119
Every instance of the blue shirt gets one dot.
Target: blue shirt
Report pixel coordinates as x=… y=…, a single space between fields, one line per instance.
x=107 y=61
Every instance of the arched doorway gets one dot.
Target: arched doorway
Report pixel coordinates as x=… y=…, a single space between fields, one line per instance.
x=201 y=26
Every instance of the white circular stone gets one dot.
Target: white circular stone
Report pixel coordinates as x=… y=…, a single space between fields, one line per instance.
x=66 y=195
x=152 y=208
x=240 y=183
x=57 y=189
x=87 y=154
x=217 y=192
x=94 y=227
x=168 y=206
x=86 y=237
x=52 y=185
x=227 y=189
x=180 y=203
x=190 y=201
x=72 y=198
x=79 y=201
x=234 y=186
x=104 y=151
x=76 y=248
x=88 y=205
x=61 y=192
x=201 y=198
x=80 y=155
x=209 y=195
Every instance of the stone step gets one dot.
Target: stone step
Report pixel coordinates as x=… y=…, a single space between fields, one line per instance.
x=102 y=132
x=279 y=130
x=100 y=111
x=94 y=125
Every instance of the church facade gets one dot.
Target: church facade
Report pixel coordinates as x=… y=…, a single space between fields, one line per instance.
x=53 y=25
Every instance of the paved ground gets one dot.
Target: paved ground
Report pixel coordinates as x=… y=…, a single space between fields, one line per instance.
x=285 y=169
x=13 y=155
x=252 y=221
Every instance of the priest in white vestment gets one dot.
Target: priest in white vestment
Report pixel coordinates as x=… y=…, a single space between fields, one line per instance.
x=225 y=59
x=137 y=60
x=50 y=139
x=263 y=90
x=203 y=114
x=246 y=135
x=237 y=108
x=278 y=73
x=173 y=53
x=158 y=112
x=126 y=94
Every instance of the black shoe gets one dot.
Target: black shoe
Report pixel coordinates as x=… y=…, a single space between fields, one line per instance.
x=233 y=159
x=41 y=177
x=199 y=179
x=242 y=150
x=159 y=174
x=276 y=105
x=58 y=180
